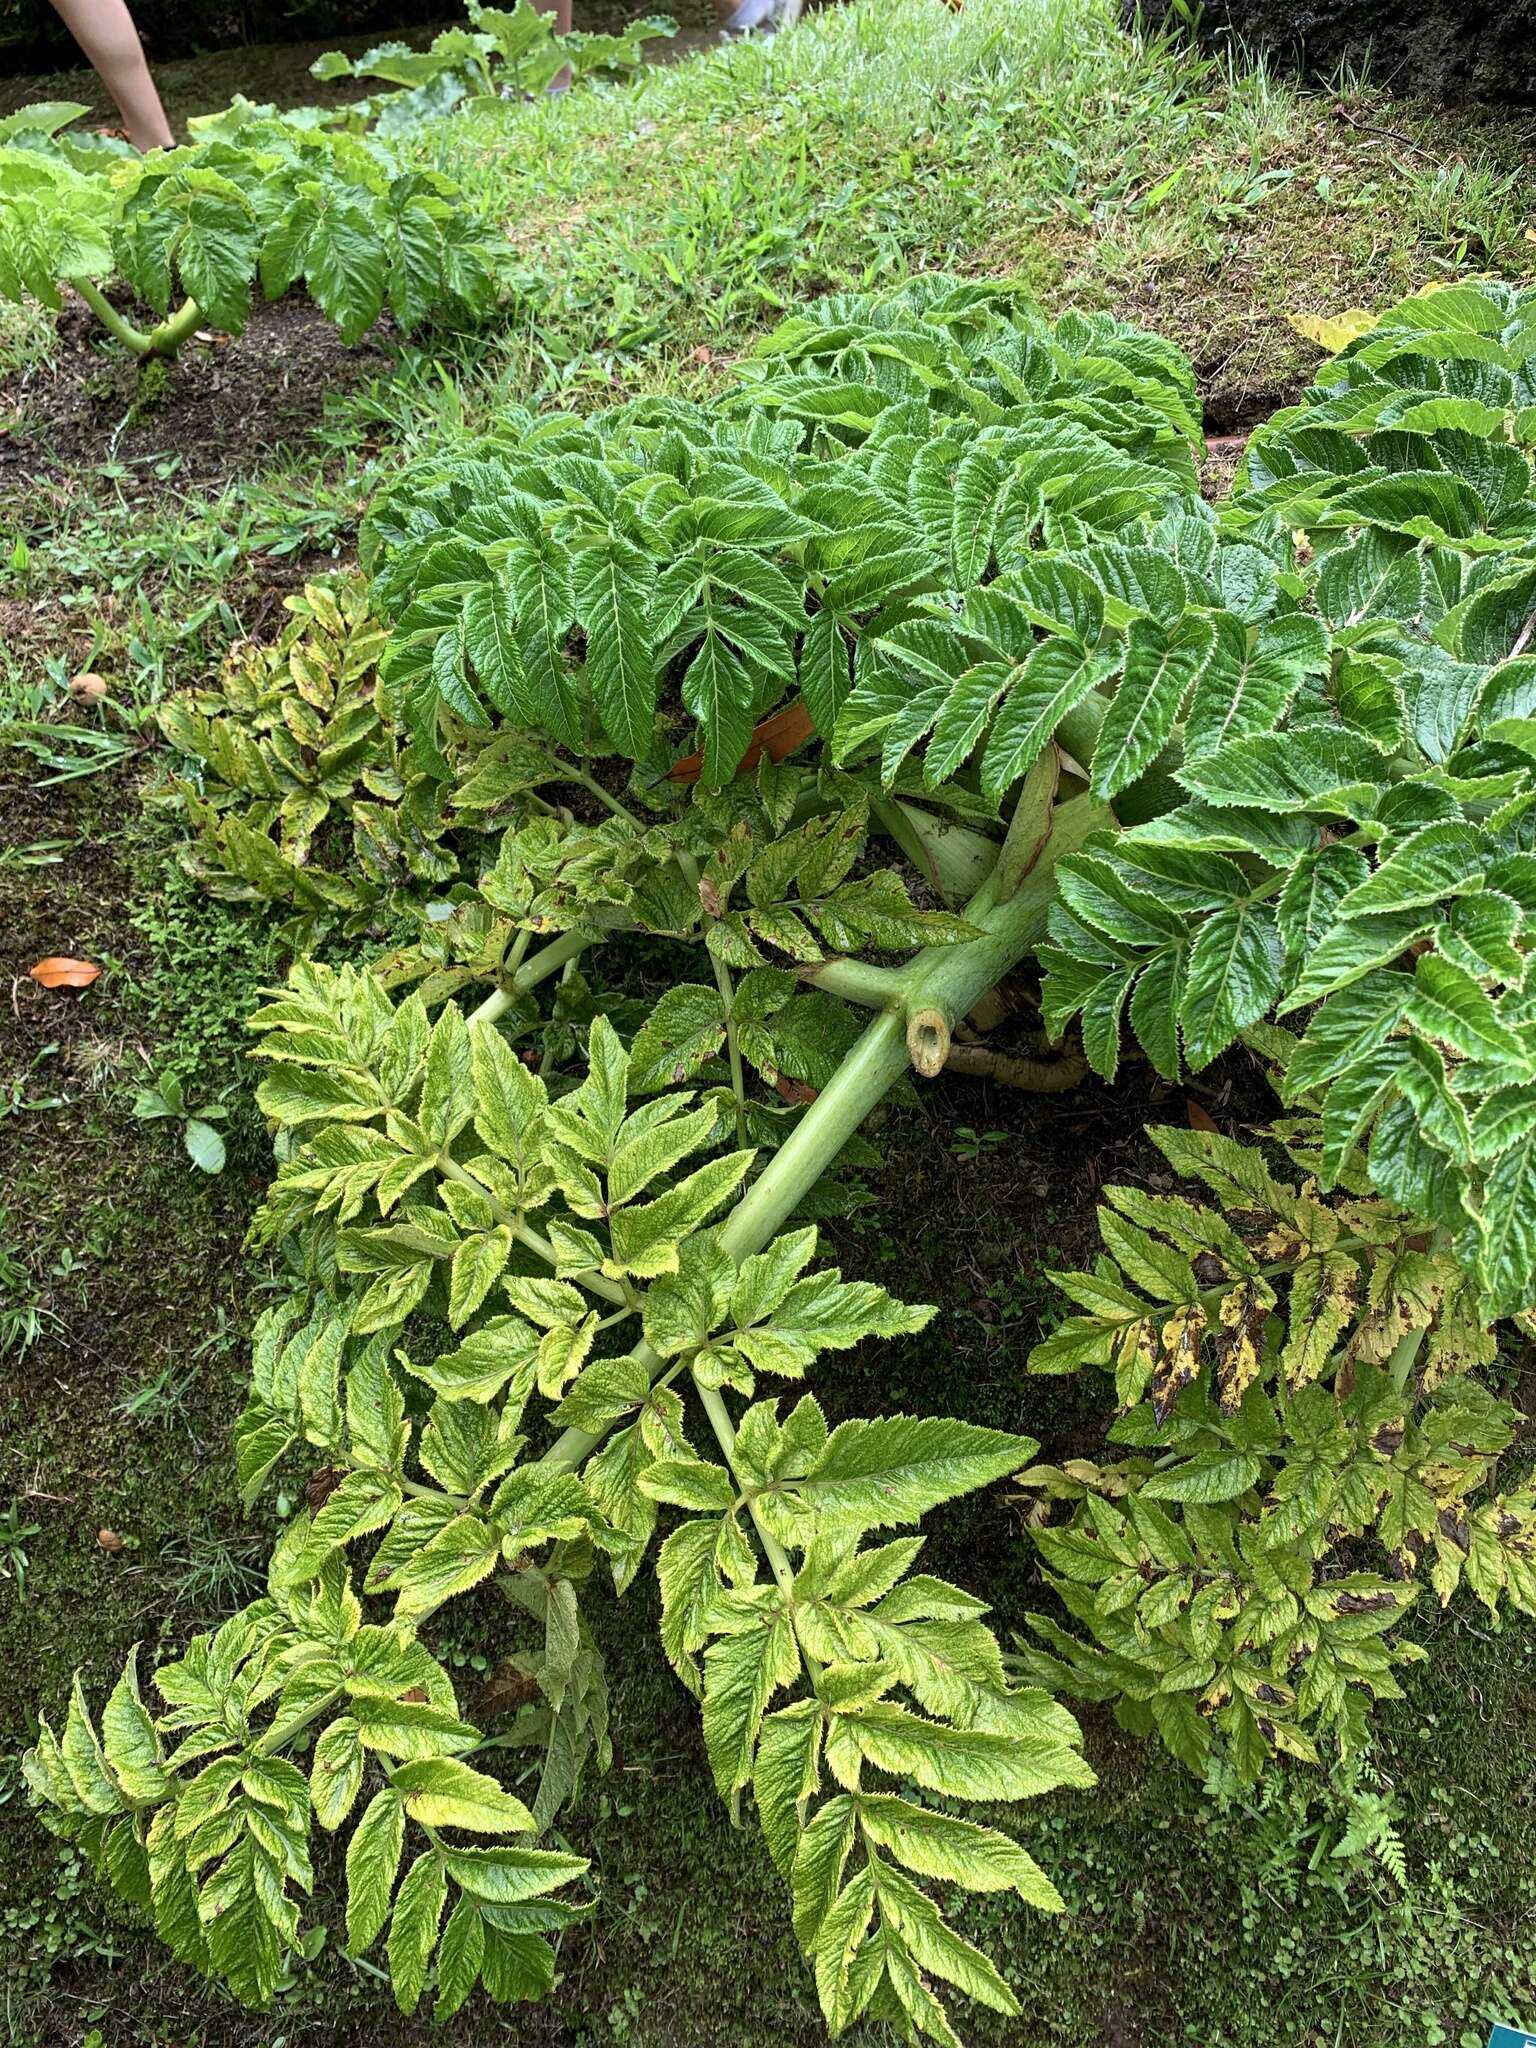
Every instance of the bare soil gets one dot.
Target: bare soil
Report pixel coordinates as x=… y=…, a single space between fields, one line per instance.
x=224 y=406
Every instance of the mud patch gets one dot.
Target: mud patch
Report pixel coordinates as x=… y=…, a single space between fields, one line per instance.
x=223 y=408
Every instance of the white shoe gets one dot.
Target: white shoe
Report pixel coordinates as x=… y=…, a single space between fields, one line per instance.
x=767 y=15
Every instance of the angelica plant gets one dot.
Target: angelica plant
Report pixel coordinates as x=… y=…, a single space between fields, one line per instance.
x=502 y=54
x=1307 y=1439
x=596 y=1253
x=915 y=655
x=256 y=199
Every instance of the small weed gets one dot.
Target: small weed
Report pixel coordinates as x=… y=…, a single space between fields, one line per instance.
x=972 y=1145
x=22 y=1314
x=17 y=1099
x=42 y=853
x=14 y=1537
x=68 y=737
x=59 y=1923
x=165 y=1098
x=213 y=1573
x=1320 y=1834
x=1474 y=213
x=163 y=1398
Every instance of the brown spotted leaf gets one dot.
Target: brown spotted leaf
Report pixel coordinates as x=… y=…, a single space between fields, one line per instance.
x=1324 y=1295
x=1458 y=1341
x=1365 y=1603
x=1238 y=1343
x=1178 y=1360
x=1135 y=1360
x=1406 y=1292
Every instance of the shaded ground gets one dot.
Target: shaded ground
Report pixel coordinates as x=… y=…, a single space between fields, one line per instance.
x=223 y=405
x=1460 y=50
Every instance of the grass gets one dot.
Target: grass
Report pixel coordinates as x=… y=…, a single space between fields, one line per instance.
x=660 y=228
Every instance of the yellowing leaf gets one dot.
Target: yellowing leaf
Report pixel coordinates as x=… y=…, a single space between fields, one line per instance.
x=1237 y=1343
x=1336 y=330
x=1179 y=1360
x=1324 y=1294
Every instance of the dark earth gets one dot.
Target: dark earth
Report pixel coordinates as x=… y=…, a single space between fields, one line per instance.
x=1454 y=50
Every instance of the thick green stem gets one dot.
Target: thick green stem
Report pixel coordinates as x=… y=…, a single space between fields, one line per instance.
x=868 y=1073
x=281 y=1732
x=120 y=329
x=946 y=981
x=952 y=979
x=165 y=339
x=547 y=1058
x=953 y=858
x=594 y=788
x=547 y=961
x=856 y=981
x=418 y=1490
x=574 y=1446
x=517 y=952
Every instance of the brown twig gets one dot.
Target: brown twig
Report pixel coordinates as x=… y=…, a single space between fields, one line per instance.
x=1392 y=135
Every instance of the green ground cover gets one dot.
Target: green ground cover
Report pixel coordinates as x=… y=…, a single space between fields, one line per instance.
x=150 y=521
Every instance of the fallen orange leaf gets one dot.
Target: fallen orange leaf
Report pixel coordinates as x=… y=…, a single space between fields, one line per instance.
x=777 y=737
x=59 y=971
x=793 y=1091
x=1199 y=1119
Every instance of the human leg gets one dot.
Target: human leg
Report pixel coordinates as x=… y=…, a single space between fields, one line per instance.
x=105 y=32
x=563 y=11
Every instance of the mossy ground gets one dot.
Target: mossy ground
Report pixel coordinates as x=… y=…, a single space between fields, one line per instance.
x=990 y=142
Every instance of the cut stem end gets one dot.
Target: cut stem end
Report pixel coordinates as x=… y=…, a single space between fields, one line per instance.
x=928 y=1041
